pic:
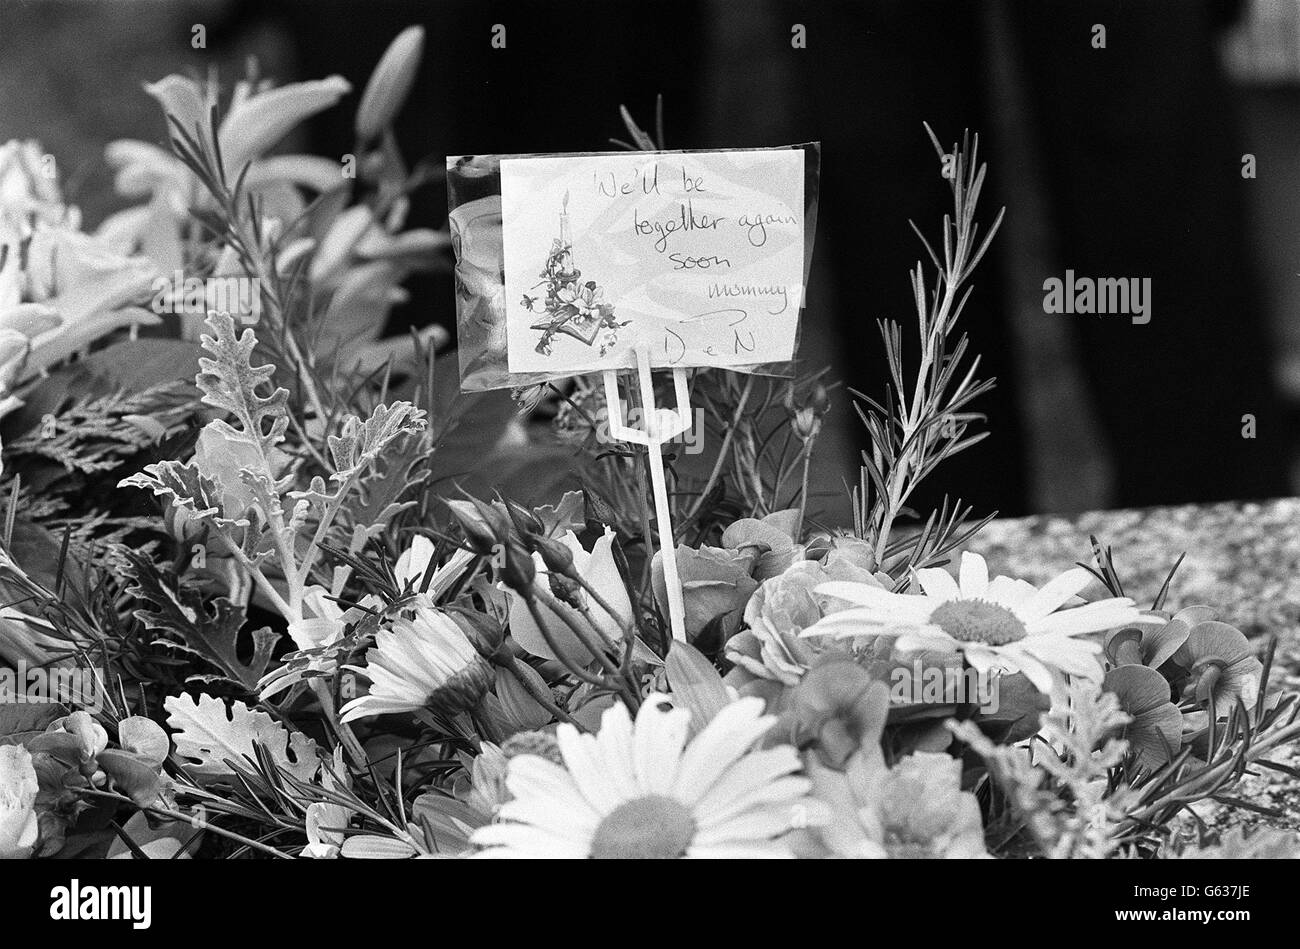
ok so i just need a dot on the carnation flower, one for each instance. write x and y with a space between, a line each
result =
1000 624
914 810
640 791
424 661
18 789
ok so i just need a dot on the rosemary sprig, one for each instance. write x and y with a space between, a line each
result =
912 434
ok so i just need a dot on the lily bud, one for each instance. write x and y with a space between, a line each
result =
526 522
495 519
478 535
390 83
518 572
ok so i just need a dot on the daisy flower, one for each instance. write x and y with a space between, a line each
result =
423 661
640 791
1002 624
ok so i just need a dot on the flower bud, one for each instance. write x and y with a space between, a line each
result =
390 83
478 535
526 522
556 556
518 572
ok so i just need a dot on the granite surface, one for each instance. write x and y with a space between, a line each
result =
1243 558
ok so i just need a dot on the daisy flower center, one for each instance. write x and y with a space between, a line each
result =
653 827
978 621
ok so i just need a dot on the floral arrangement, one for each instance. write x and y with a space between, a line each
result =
273 626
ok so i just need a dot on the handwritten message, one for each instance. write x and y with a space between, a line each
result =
698 255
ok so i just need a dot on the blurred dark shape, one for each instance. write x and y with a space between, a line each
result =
1135 146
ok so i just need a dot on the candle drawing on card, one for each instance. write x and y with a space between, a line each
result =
566 304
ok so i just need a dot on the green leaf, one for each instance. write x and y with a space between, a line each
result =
186 487
695 683
208 734
214 635
229 381
361 443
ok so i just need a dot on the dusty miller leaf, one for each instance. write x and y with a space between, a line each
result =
362 442
208 734
229 381
185 486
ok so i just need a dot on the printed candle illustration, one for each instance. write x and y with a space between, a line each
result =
571 306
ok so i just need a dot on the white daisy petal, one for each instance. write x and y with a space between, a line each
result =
1074 656
1009 592
1053 594
1090 618
926 637
549 815
725 739
532 776
863 594
733 850
974 576
1035 672
530 841
755 824
781 790
586 766
657 744
615 744
938 584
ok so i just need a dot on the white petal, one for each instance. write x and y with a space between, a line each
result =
553 816
1008 592
527 841
615 742
1090 618
768 850
659 737
863 594
1075 656
974 576
1035 672
1055 593
413 563
746 781
857 621
938 584
583 759
724 740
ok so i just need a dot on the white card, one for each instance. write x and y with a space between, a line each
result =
698 256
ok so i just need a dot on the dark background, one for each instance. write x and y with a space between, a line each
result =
1117 162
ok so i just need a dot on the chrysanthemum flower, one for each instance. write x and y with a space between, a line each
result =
423 661
639 791
1000 624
